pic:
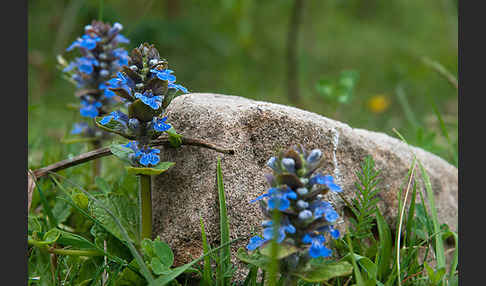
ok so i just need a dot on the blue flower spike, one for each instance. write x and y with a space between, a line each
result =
306 219
100 58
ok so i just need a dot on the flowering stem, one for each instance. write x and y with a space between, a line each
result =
145 196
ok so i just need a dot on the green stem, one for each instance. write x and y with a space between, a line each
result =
72 252
100 15
145 195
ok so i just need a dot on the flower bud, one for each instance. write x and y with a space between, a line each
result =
305 214
153 62
104 73
314 156
272 163
289 164
302 191
302 204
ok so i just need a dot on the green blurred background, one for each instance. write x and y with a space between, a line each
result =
240 48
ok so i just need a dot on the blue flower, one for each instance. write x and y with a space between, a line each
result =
89 109
330 228
278 197
155 102
281 198
106 92
317 248
122 81
85 64
122 39
86 41
178 87
116 115
79 127
323 208
284 228
70 66
164 75
132 145
148 156
160 125
122 56
325 180
255 242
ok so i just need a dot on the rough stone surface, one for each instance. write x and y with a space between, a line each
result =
256 130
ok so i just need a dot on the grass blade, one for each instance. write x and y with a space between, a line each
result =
410 219
51 218
402 211
207 263
439 244
384 254
357 272
225 262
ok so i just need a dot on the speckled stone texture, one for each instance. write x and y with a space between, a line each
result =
256 130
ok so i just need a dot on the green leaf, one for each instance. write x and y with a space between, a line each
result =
50 237
115 126
121 152
283 250
370 267
255 258
384 255
175 272
61 210
33 224
103 185
174 139
159 169
164 253
224 262
124 209
129 278
158 267
319 272
142 111
81 200
148 248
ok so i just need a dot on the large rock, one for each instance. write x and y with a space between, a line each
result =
256 130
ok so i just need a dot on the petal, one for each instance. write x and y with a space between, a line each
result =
255 242
259 198
331 215
106 119
307 238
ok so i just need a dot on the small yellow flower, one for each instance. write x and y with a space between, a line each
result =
378 103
